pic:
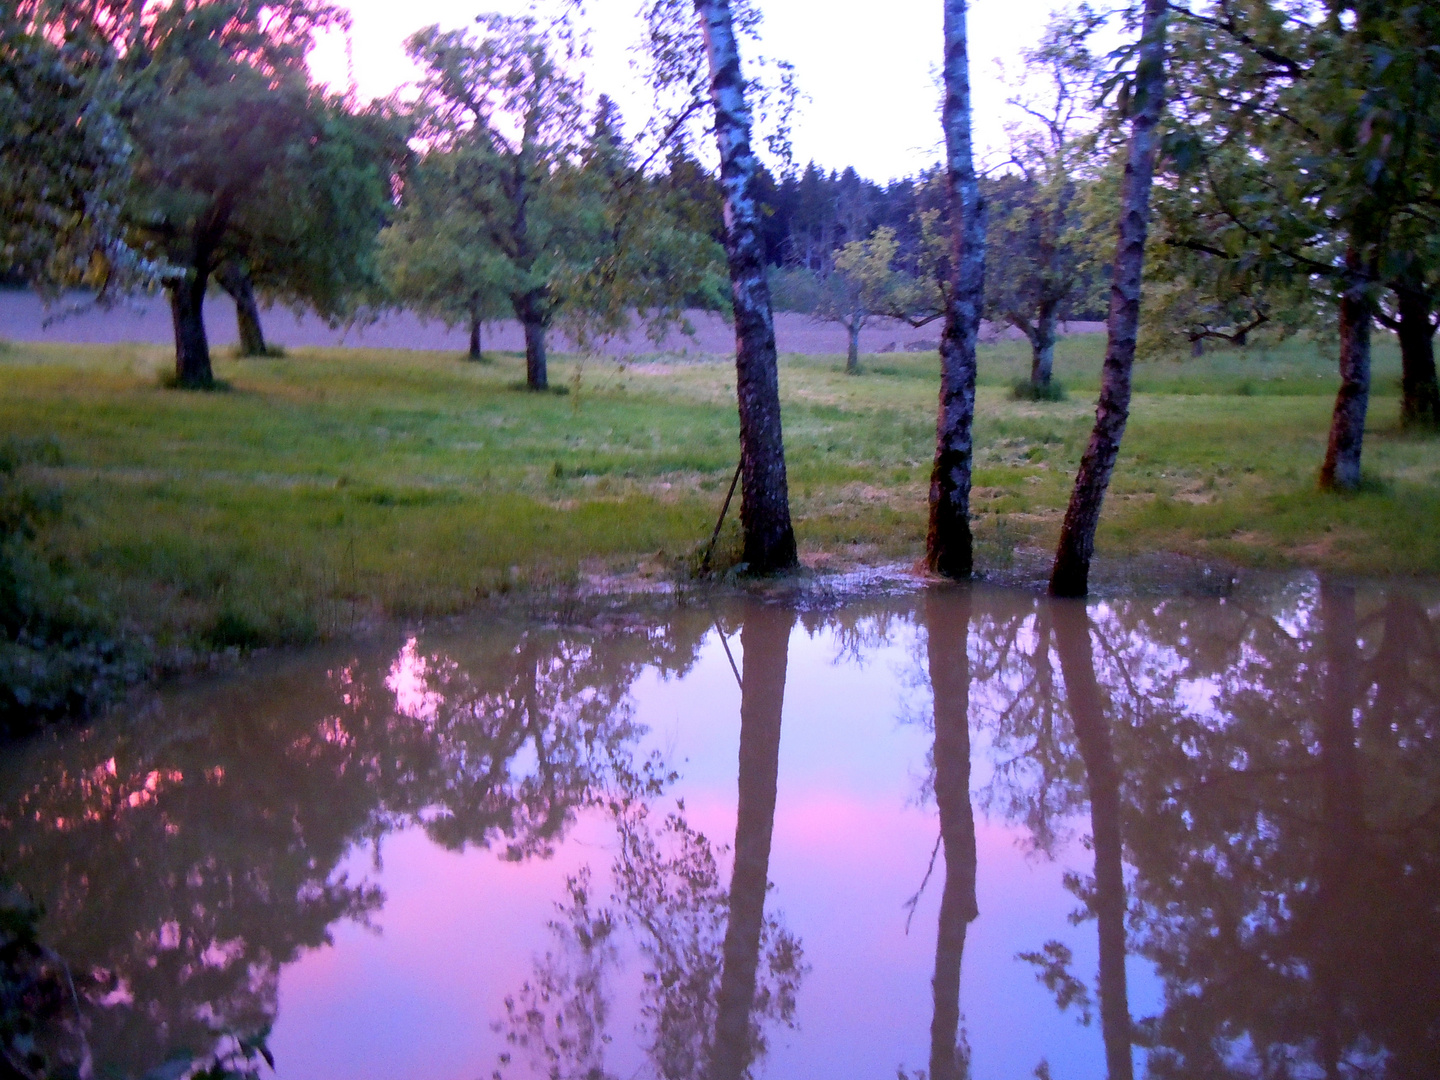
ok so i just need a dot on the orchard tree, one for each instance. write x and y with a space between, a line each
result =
64 155
1311 141
239 159
1038 250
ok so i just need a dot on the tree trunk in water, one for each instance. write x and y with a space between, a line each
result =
852 358
1070 575
536 376
235 281
192 350
1420 394
1042 349
949 546
765 638
764 490
1092 733
947 623
1341 471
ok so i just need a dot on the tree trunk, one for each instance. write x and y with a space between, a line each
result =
765 638
852 358
1092 733
1070 575
192 350
948 543
1042 348
1197 347
528 309
475 331
1420 394
947 623
764 490
1341 471
235 281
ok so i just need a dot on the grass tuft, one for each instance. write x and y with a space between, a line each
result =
1025 390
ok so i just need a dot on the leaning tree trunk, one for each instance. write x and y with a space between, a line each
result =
948 544
1420 394
1070 575
235 281
1341 470
947 625
192 350
764 490
852 358
765 638
1102 776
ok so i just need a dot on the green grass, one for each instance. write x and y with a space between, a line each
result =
328 487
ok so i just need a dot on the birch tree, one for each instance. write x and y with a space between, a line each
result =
949 546
695 69
1070 574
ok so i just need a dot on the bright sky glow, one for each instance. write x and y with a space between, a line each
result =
868 69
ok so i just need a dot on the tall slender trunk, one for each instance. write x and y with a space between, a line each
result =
764 490
947 623
1042 346
192 350
235 281
852 358
1341 471
765 638
1420 393
1070 575
1102 776
475 328
949 546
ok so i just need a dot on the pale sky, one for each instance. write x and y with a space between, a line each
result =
867 68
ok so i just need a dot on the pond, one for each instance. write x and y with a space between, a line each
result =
963 832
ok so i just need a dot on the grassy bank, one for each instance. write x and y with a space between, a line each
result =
331 486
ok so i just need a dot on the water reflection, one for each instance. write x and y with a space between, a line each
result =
1244 794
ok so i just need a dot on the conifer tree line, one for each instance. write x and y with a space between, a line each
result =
1236 171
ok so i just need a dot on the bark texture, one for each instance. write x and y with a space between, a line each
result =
1341 471
949 546
1419 392
235 281
947 622
852 358
764 491
192 349
765 638
1102 777
1042 347
1070 575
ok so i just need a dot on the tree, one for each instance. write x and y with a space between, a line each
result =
239 159
1070 574
64 155
1310 140
1036 245
948 544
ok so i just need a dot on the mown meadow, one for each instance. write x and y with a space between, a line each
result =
329 488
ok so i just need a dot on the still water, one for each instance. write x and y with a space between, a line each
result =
970 832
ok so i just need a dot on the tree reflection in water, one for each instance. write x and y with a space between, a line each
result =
183 858
1258 778
719 972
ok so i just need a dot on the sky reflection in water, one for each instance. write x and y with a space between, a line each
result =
375 851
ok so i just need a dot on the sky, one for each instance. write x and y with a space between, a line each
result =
867 68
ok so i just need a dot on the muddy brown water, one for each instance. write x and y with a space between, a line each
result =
1209 826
